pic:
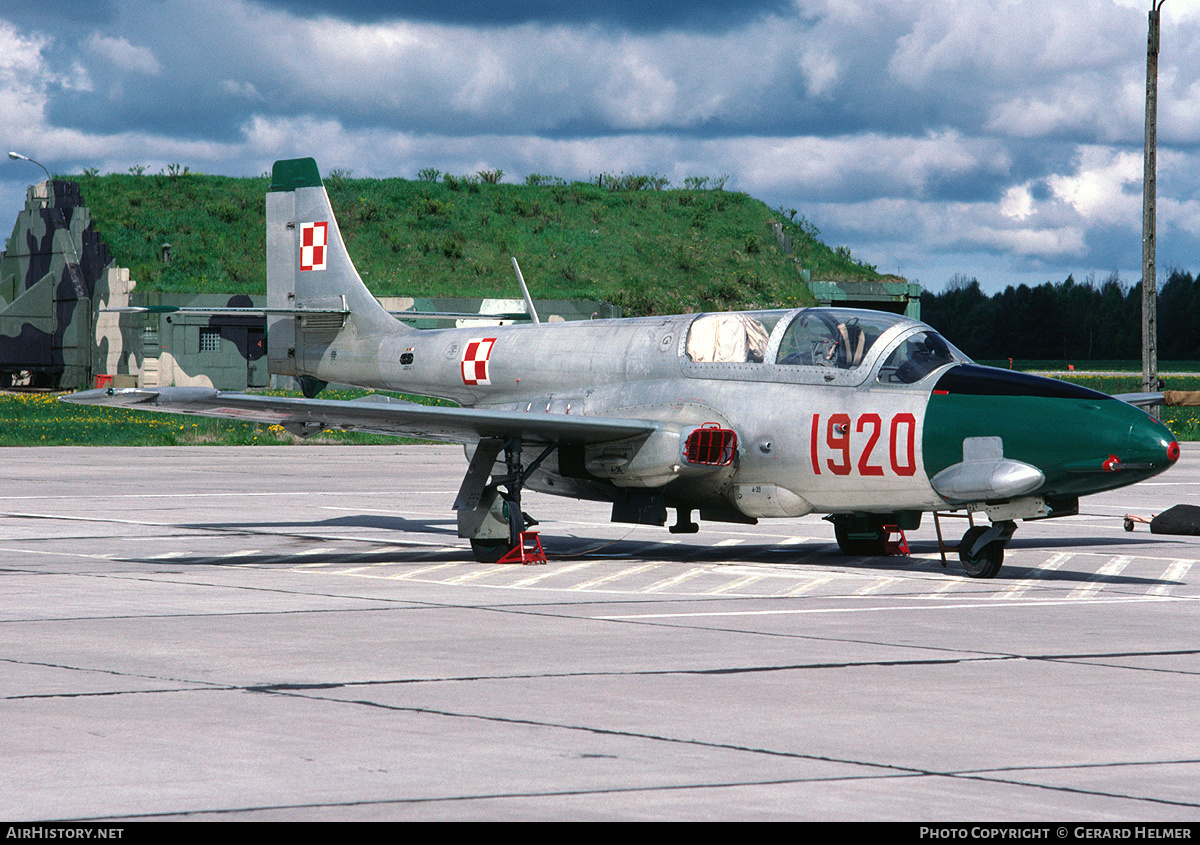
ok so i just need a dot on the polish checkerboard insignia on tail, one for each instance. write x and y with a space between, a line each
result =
314 237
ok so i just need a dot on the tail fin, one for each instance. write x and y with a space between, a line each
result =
308 268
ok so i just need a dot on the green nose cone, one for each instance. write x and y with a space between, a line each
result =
1082 441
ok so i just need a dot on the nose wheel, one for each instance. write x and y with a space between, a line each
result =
981 550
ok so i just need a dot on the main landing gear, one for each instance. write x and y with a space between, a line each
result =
981 550
868 534
860 540
489 507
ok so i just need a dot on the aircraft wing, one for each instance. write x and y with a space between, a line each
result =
374 415
1142 400
1173 398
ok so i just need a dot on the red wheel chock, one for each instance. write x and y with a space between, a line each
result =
528 551
895 547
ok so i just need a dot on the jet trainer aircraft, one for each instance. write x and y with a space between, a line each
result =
868 417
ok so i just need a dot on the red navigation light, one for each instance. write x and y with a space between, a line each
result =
1173 451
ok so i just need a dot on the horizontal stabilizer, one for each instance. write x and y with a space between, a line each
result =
1141 400
179 309
239 312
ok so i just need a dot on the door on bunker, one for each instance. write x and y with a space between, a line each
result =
256 358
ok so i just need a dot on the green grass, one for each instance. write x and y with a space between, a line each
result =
649 251
39 419
1097 366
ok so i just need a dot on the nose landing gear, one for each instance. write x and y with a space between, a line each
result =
981 550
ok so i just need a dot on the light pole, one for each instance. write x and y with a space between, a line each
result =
1149 281
19 157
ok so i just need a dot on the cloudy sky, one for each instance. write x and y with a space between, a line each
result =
1000 139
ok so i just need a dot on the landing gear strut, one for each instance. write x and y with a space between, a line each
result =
489 512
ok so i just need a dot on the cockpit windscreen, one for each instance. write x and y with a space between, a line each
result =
830 337
917 356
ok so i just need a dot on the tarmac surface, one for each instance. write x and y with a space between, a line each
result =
297 633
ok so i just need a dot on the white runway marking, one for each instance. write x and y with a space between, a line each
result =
1019 589
1096 582
674 581
924 608
1177 571
614 576
551 572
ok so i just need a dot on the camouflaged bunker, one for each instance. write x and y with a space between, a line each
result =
52 269
57 276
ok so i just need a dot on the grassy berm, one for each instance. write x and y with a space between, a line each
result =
628 240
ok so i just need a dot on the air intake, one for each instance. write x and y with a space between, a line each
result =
711 445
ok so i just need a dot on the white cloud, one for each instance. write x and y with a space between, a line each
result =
1108 107
884 165
243 89
1182 11
822 70
1181 215
123 54
898 125
23 83
1012 40
1106 188
1017 202
953 227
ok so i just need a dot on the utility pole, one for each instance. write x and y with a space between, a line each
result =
1149 281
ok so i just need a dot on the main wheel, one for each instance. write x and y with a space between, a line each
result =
489 551
862 544
986 562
